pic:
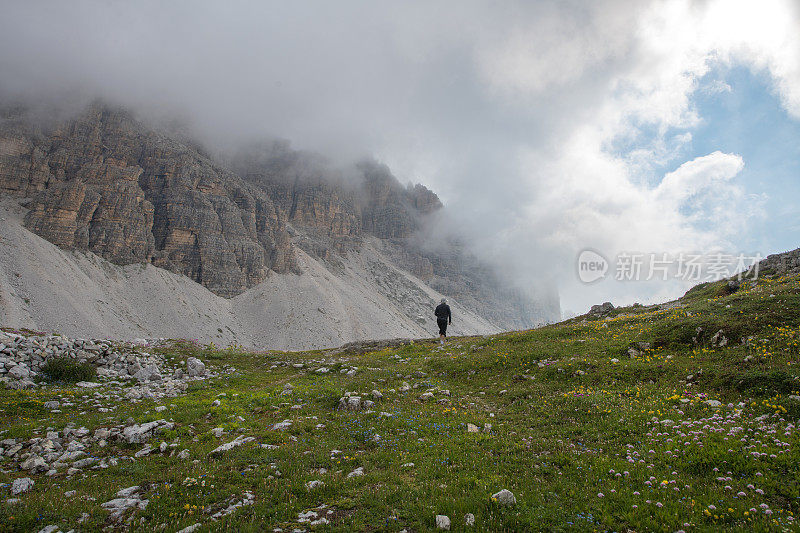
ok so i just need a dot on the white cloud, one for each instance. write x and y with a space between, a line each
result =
544 125
585 192
695 177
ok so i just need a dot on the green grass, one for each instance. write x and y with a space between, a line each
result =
565 421
67 370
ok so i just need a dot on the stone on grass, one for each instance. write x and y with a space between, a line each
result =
195 367
469 519
504 497
442 522
128 498
286 424
307 517
139 433
313 484
118 506
357 472
147 450
21 485
472 428
238 441
127 492
350 403
34 464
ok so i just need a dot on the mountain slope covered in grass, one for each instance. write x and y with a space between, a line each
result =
674 417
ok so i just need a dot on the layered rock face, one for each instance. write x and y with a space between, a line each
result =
340 204
106 184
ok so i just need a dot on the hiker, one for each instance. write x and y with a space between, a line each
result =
443 318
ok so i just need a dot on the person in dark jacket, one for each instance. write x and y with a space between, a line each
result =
443 317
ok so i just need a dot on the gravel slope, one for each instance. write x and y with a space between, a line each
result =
81 295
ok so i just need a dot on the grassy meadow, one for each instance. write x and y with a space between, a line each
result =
634 421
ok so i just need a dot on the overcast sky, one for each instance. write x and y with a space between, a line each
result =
546 127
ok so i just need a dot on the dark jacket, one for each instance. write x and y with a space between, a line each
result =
442 312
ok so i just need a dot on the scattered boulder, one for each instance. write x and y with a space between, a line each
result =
442 522
601 309
286 424
35 464
238 441
126 499
148 373
504 497
358 472
195 367
349 402
139 433
719 339
21 485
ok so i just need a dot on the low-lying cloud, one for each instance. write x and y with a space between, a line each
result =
514 112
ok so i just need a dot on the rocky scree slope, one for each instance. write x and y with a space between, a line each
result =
45 288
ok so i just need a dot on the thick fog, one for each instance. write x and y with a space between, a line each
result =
545 127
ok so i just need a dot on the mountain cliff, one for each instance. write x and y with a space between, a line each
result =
103 182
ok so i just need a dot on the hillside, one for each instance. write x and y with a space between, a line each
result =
682 416
43 287
104 183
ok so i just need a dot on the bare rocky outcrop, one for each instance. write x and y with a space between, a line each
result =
786 263
105 183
